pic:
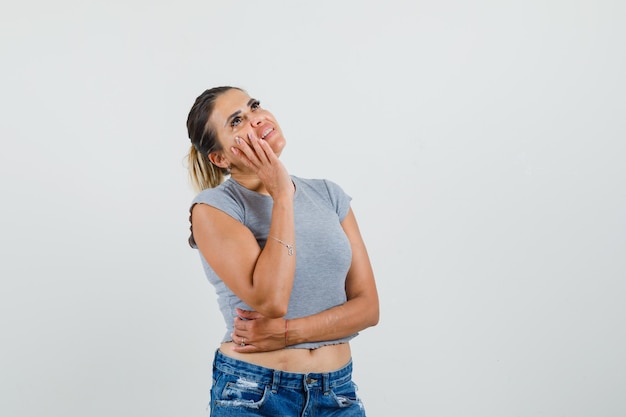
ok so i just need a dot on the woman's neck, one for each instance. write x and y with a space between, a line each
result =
250 181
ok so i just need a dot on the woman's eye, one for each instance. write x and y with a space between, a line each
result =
255 105
236 120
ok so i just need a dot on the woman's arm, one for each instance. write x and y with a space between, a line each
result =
360 311
261 278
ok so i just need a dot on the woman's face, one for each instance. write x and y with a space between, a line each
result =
235 114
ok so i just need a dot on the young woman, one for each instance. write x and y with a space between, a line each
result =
291 271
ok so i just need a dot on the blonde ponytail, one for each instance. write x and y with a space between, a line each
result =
202 173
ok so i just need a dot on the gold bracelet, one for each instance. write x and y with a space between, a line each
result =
289 246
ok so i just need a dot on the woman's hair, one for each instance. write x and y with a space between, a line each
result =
202 173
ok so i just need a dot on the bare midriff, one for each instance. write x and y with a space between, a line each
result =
323 359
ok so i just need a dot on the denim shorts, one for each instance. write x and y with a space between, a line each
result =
243 389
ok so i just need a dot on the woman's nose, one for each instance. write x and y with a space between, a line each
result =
255 121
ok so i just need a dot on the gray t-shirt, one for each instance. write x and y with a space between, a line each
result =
323 253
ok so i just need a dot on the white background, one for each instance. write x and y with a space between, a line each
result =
482 143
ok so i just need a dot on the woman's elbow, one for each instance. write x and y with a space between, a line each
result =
373 316
369 312
274 313
273 309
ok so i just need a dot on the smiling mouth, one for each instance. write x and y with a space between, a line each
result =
267 132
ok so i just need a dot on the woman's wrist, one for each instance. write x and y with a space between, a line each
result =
283 197
293 334
285 192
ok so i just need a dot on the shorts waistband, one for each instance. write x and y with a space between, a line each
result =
276 378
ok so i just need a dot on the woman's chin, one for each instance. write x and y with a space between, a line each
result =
278 145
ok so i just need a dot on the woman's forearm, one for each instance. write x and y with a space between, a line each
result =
272 279
335 323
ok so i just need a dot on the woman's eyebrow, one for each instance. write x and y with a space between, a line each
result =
252 100
231 116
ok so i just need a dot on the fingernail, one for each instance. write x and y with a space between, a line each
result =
237 140
234 150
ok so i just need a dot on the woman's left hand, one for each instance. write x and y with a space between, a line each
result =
259 333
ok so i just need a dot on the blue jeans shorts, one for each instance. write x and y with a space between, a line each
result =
242 389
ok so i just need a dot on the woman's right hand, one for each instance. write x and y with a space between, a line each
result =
257 155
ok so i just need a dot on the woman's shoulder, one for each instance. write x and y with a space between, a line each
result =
322 184
225 197
223 191
327 191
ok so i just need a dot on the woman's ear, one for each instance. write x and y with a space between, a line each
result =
217 158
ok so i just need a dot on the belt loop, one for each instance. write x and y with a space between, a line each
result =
326 383
275 381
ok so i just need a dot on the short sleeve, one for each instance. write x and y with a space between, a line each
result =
221 200
339 199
